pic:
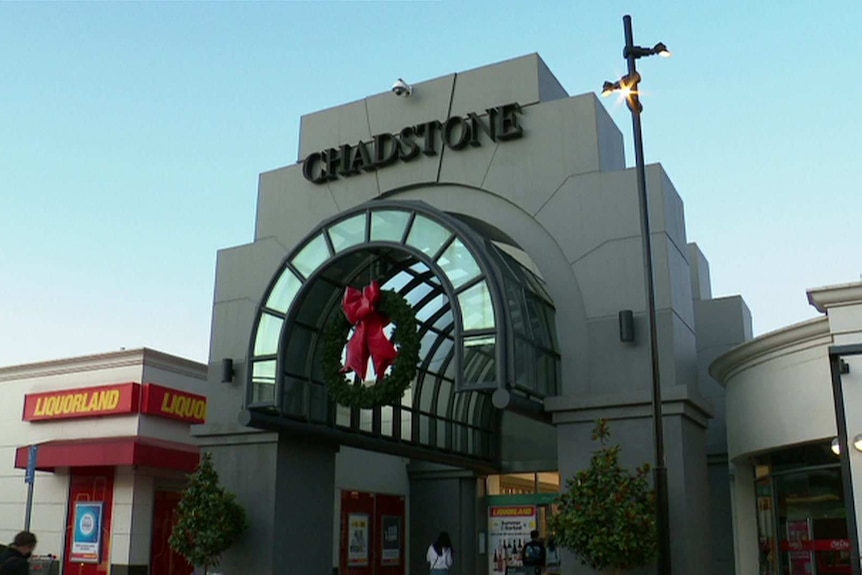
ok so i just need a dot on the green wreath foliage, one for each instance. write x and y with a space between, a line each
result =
388 389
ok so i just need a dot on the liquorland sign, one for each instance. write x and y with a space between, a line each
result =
174 404
116 399
456 133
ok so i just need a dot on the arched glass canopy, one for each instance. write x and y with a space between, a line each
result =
486 322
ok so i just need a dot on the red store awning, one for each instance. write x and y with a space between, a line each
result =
111 452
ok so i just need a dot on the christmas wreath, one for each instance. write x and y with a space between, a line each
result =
370 311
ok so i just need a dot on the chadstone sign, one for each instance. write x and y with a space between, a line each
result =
385 149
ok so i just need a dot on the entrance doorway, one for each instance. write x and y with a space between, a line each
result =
88 527
802 526
518 504
372 534
163 560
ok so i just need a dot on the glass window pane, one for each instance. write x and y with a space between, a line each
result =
268 332
407 398
541 329
263 380
264 393
297 346
366 420
312 255
458 264
397 282
348 233
477 312
480 361
388 226
525 364
406 425
284 291
319 404
427 394
342 415
433 306
443 398
544 372
424 429
516 307
417 293
441 355
315 300
442 426
473 411
293 400
386 415
550 322
427 236
445 321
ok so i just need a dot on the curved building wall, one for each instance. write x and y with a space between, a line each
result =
778 390
788 497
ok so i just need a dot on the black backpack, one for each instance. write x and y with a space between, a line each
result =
534 553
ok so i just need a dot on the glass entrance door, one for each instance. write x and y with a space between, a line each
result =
811 523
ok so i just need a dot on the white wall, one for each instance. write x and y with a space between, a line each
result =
779 393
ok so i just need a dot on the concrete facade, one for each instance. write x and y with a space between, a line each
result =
563 195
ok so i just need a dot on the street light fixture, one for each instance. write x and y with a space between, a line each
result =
628 85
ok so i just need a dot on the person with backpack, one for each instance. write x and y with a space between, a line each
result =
13 561
533 553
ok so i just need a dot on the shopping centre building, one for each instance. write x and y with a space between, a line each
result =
501 209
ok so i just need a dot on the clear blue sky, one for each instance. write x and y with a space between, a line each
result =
132 136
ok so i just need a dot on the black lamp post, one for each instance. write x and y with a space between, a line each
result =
629 86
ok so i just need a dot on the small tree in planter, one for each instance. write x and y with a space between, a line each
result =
209 518
607 514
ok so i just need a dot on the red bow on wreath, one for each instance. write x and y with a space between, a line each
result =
360 308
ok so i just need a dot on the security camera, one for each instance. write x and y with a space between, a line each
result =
402 88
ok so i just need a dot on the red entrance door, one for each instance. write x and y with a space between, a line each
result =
95 485
372 534
163 560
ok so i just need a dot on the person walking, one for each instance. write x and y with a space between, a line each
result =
13 561
534 553
439 554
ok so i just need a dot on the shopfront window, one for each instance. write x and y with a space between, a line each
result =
800 513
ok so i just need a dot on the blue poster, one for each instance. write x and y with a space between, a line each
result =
87 533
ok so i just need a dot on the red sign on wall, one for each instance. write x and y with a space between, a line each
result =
174 404
120 398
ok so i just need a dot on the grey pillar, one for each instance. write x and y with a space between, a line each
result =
687 478
304 506
444 499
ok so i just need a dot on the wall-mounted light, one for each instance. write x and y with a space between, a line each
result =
627 325
857 444
227 370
